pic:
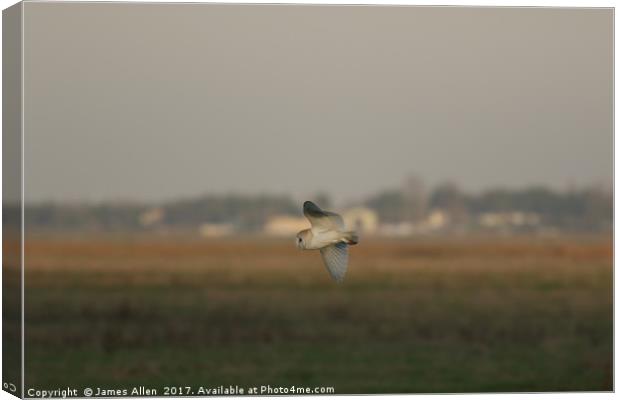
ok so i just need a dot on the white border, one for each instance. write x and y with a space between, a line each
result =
475 3
23 192
434 3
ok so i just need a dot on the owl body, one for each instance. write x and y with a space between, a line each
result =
311 239
328 235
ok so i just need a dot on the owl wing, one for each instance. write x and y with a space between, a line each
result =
336 258
322 220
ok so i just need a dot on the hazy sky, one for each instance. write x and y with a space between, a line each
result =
157 101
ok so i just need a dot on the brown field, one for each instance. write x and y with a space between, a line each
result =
423 315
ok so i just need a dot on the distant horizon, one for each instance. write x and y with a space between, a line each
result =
335 201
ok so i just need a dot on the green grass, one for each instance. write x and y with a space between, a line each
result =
492 318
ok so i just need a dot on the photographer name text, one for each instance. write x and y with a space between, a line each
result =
142 391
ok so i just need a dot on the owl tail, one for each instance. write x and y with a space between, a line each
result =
351 238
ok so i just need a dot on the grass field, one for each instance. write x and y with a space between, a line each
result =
485 314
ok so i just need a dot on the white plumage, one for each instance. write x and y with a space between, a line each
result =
327 234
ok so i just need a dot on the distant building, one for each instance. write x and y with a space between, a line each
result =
284 225
437 219
152 216
510 219
434 221
216 230
396 229
361 219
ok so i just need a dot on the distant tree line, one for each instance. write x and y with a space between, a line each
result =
579 209
101 217
246 212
